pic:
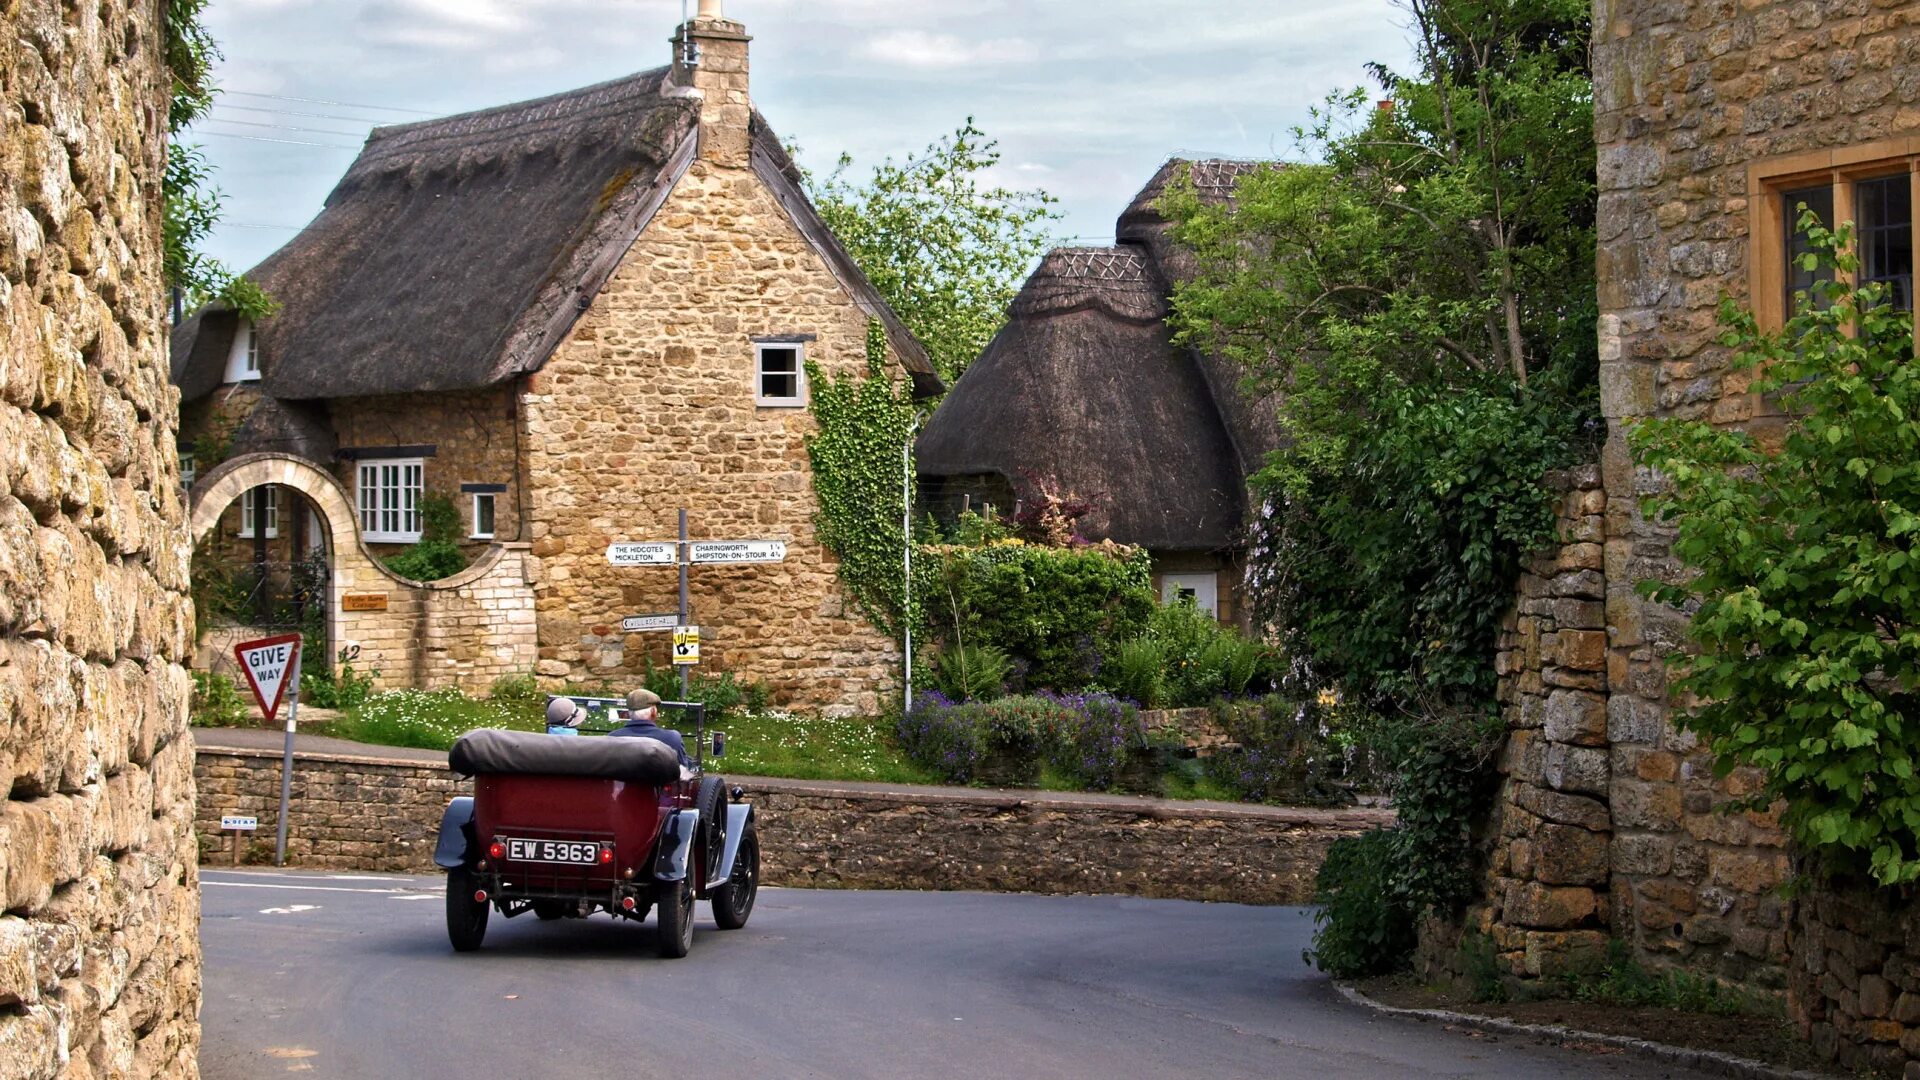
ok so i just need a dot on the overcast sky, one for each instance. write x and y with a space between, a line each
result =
1087 97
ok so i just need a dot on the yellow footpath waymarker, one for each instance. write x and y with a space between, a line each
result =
686 644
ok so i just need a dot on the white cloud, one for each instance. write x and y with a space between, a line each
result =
931 51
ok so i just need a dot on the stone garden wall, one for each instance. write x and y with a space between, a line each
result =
353 813
99 954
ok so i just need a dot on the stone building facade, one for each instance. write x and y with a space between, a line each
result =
1714 121
99 955
646 288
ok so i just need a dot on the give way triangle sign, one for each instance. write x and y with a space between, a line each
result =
270 664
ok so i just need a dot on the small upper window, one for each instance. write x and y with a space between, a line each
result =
779 374
256 507
483 516
188 472
243 359
1202 590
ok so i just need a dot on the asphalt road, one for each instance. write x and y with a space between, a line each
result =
350 976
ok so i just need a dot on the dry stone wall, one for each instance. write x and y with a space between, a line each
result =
99 957
352 813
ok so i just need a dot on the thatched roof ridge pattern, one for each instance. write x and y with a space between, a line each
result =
1084 384
1212 178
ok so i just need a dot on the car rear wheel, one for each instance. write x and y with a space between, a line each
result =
673 936
733 902
466 917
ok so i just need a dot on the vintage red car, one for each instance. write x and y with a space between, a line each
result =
564 826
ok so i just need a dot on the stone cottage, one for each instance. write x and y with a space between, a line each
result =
575 316
1084 388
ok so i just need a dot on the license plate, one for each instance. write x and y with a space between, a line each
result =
574 852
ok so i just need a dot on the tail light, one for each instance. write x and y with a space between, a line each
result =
497 850
626 903
479 896
606 855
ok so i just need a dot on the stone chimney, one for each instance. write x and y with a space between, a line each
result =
717 67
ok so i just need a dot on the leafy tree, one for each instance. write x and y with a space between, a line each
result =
192 204
1422 296
946 249
1805 591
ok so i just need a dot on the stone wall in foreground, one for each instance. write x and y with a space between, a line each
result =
99 954
352 813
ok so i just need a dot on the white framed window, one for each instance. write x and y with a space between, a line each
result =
243 358
188 471
1201 588
257 505
389 492
316 531
779 373
482 515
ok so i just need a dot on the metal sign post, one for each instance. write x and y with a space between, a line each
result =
272 668
683 553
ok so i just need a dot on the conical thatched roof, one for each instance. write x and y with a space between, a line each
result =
1085 386
457 253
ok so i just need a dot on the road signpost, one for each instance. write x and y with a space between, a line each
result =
683 554
239 825
272 669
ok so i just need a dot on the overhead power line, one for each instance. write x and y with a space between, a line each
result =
296 112
280 127
266 138
323 101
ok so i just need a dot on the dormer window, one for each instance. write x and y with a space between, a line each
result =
779 374
243 359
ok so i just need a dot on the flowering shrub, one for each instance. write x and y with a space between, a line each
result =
1295 751
1087 737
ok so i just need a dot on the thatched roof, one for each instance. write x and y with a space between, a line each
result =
300 428
1084 386
457 253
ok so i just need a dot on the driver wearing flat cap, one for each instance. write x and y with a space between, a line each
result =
643 708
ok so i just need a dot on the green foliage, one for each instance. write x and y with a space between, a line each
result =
1295 751
1051 609
858 475
1087 738
947 253
1365 923
1136 669
1804 588
191 203
344 689
437 554
1622 980
722 693
426 719
518 692
760 743
216 701
965 672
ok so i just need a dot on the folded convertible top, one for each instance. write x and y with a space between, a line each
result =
494 751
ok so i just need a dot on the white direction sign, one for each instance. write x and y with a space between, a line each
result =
269 665
238 822
647 554
634 624
737 551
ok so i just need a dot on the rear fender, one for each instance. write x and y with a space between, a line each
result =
738 814
676 840
457 843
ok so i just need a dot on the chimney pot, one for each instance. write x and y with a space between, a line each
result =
711 9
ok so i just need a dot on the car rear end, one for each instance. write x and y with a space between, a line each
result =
580 842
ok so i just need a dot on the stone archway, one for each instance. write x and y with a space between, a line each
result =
351 565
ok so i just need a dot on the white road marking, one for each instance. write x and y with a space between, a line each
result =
417 896
292 909
306 888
